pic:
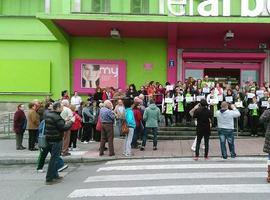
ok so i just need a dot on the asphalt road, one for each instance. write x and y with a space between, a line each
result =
170 179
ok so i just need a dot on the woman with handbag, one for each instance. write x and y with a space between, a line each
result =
131 124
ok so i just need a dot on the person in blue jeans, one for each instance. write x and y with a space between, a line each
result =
225 119
55 126
151 117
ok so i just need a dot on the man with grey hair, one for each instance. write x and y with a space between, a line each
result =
67 115
55 126
107 121
225 119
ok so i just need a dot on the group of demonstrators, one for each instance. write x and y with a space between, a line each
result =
133 114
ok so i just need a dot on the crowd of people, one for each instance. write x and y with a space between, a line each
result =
110 113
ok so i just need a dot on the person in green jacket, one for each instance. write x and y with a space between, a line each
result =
151 117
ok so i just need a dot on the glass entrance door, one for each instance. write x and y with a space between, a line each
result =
228 76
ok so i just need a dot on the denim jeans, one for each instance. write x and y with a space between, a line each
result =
128 140
226 135
55 149
269 156
145 135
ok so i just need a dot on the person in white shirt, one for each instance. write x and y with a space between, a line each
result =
67 115
225 119
76 100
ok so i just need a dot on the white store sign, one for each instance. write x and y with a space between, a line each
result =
211 8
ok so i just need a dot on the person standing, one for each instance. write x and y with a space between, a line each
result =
119 111
203 130
265 118
107 132
225 119
130 120
151 117
55 126
32 126
74 129
67 115
19 126
76 100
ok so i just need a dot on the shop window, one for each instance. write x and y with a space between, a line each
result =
249 75
194 73
100 6
139 6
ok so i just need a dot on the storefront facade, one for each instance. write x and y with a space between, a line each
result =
79 44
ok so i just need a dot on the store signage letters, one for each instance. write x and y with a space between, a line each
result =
211 8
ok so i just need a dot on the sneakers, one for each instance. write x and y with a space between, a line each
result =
154 148
196 158
63 168
76 149
40 171
85 142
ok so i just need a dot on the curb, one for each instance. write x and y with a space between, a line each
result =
80 160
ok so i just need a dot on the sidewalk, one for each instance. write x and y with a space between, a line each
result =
166 149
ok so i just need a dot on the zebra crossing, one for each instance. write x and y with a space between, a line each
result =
148 178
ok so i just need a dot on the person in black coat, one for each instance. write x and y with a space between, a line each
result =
204 116
55 126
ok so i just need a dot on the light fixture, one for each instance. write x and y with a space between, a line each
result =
115 33
229 36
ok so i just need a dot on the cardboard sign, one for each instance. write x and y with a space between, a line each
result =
199 98
213 101
239 104
229 99
250 95
259 93
206 90
169 87
189 99
252 106
265 104
168 100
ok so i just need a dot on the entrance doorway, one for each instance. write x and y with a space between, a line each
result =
228 76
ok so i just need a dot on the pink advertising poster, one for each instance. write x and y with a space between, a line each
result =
91 74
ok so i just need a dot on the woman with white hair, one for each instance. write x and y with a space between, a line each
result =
107 132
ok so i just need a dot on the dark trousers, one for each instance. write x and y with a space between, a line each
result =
179 117
52 172
254 121
94 132
134 142
168 116
42 157
106 135
73 138
32 139
145 135
87 132
187 109
206 143
19 140
241 120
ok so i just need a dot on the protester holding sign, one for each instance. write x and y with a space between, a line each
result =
254 116
168 107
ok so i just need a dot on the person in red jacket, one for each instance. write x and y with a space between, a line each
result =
138 119
74 129
19 126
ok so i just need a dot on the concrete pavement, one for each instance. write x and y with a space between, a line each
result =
166 149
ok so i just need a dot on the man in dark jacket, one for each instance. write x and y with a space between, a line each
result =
55 126
203 116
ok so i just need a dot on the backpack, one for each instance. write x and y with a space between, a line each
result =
42 142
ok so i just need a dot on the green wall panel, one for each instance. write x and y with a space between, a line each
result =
136 52
57 53
25 76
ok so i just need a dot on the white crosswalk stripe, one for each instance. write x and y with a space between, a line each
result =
139 177
181 166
